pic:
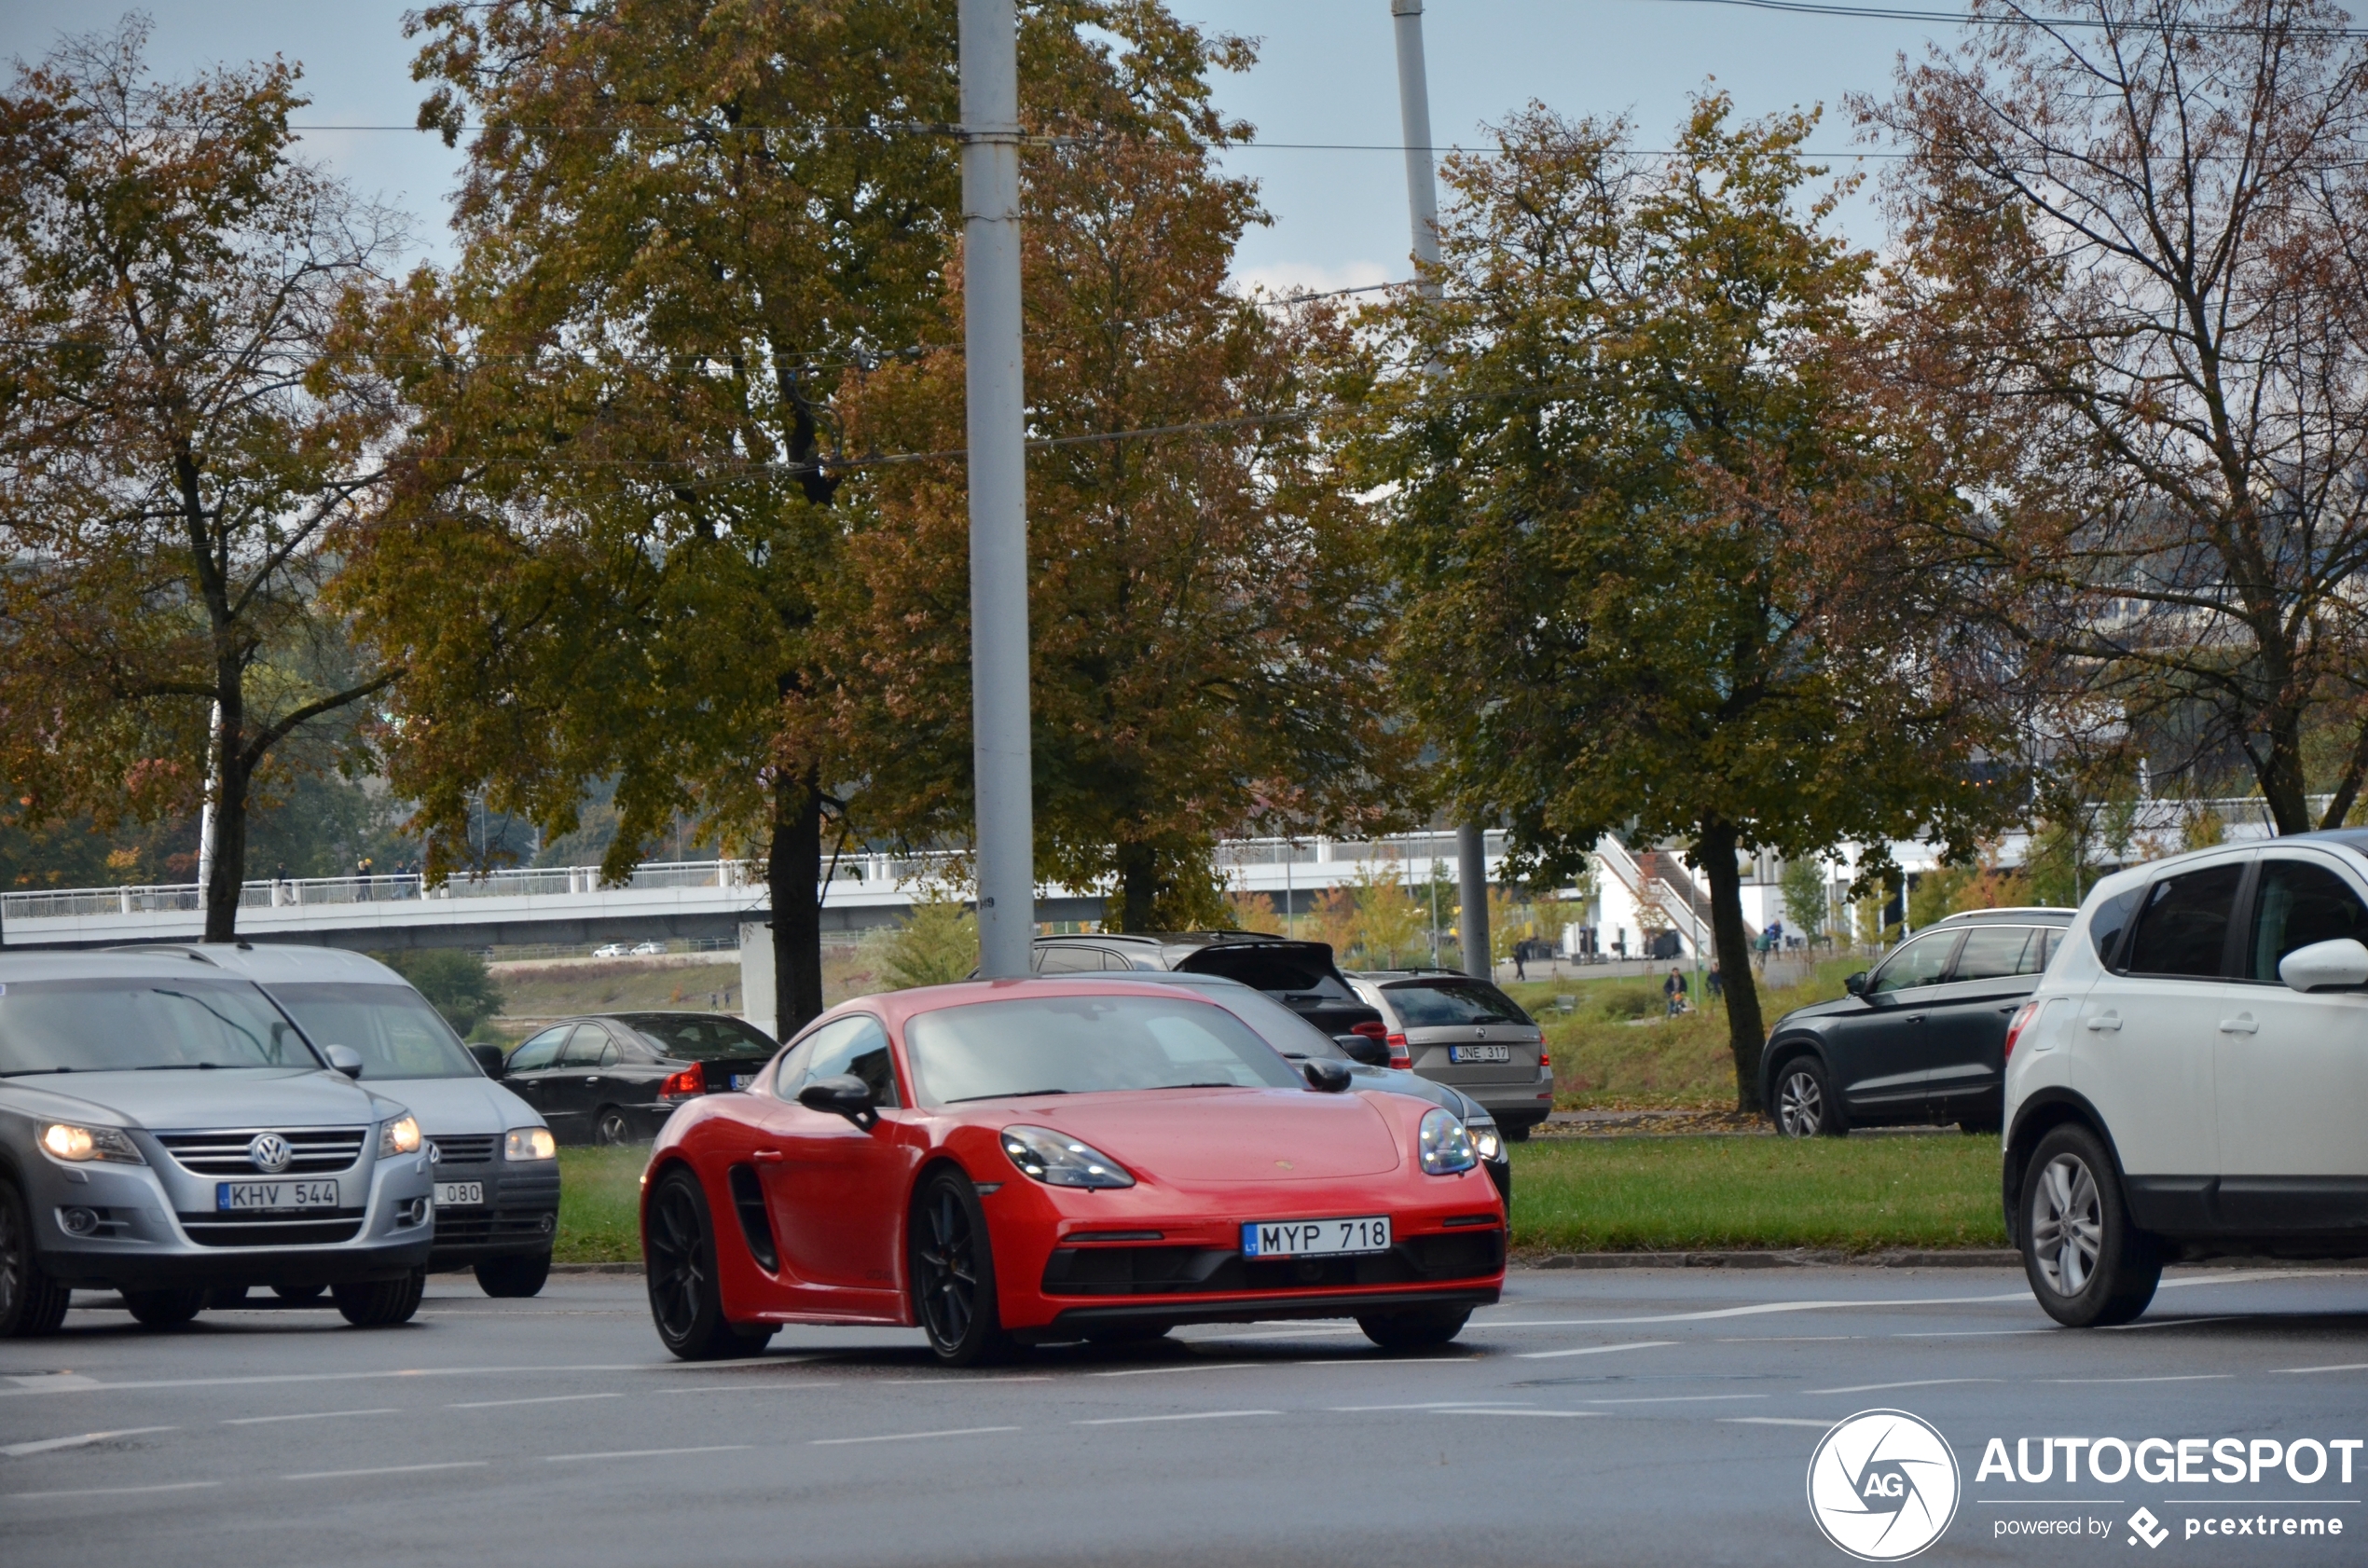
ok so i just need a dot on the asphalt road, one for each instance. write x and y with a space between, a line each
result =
1617 1417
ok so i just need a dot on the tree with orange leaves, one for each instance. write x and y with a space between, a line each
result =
1205 613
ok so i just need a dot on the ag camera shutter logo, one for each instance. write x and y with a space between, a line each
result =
1883 1485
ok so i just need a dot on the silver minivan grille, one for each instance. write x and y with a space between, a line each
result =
312 1150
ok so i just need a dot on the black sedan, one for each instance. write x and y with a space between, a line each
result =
1922 1040
616 1077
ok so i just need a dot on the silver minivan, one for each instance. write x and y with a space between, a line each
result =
167 1130
1459 1030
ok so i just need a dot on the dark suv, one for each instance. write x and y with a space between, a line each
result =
1922 1040
1300 975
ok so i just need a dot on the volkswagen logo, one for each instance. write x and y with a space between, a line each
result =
267 1153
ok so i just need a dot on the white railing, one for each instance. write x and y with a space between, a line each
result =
868 869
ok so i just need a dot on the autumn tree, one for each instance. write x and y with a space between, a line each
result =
613 549
184 431
1205 614
2133 259
1652 537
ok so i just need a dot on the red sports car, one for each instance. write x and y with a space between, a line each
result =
1016 1162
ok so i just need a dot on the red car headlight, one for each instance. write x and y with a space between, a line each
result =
1058 1160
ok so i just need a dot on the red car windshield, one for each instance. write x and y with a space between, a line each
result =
1084 1045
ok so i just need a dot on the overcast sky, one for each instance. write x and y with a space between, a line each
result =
1326 74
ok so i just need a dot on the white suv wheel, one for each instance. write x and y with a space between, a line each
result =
2066 1224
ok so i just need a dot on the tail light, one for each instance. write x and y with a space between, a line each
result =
2023 1015
1545 1057
689 1083
1399 1056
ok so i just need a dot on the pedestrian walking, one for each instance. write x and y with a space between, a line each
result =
1714 983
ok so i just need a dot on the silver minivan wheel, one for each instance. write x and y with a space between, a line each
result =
2066 1224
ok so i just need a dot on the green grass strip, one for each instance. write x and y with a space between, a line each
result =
1859 1195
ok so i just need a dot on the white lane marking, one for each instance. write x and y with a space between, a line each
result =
1386 1360
387 1470
1592 1350
1481 1410
1918 1383
47 1444
1191 1415
83 1385
42 1382
1678 1399
1806 1338
1771 1421
911 1436
1433 1405
753 1388
2180 1376
540 1399
1156 1371
958 1380
655 1453
2248 1276
1273 1334
1970 1333
109 1491
2344 1367
308 1415
2173 1322
1762 1308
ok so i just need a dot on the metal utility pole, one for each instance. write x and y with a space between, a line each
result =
1006 845
1422 209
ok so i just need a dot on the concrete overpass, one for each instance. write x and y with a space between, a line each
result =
692 900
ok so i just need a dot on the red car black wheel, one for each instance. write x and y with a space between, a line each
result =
684 1300
954 1272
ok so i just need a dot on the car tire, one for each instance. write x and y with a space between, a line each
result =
1803 1104
611 1126
514 1276
2087 1261
31 1303
297 1295
686 1300
951 1262
1422 1328
164 1309
381 1303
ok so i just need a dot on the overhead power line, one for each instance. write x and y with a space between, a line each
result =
2018 18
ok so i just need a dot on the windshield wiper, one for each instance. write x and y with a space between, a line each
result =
184 1066
1006 1094
1220 1083
28 1072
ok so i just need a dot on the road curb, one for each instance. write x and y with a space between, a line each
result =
1802 1257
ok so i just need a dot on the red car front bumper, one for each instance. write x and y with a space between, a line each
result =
1068 1260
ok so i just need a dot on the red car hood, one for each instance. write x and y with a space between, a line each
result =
1224 1134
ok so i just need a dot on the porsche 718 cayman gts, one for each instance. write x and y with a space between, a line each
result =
1020 1161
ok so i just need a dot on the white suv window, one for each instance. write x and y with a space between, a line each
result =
2299 903
2182 929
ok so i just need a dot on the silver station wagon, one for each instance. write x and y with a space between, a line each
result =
167 1130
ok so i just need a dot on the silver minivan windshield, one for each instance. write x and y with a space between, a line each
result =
392 1026
122 1024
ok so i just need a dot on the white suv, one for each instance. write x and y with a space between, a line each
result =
2189 1078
